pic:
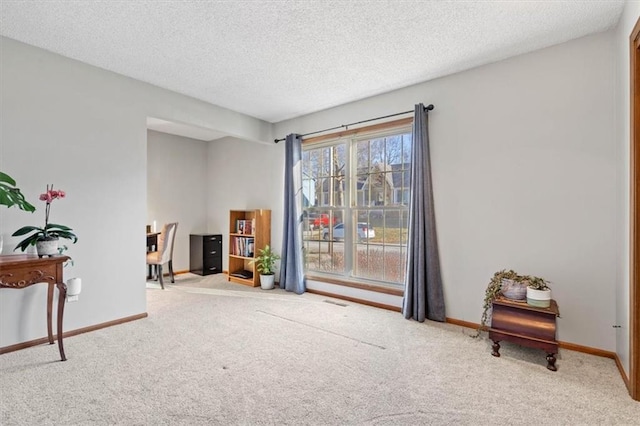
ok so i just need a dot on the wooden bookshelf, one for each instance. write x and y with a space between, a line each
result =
249 231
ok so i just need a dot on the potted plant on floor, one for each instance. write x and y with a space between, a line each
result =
265 264
45 239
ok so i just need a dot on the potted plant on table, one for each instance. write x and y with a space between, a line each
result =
265 264
538 293
45 239
513 286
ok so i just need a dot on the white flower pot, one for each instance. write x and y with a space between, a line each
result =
47 247
267 281
538 298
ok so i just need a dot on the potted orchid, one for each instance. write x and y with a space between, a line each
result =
45 239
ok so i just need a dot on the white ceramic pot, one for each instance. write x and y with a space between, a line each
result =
47 247
538 298
267 281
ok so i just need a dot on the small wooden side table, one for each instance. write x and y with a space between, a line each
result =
19 271
525 325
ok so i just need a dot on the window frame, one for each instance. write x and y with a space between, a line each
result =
350 206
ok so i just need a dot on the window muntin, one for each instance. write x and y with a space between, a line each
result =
358 183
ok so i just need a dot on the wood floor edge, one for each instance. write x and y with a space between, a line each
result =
622 372
356 300
42 340
587 350
462 323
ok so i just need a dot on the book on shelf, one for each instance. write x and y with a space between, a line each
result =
245 226
243 246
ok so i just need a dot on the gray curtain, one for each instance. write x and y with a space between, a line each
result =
291 269
423 296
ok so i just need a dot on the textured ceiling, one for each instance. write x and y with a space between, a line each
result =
276 60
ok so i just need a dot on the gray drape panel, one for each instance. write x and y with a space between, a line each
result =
423 297
291 269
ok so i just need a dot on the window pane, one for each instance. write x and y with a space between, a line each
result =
406 148
377 151
323 249
314 164
362 157
338 181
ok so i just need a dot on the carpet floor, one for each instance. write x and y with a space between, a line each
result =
217 353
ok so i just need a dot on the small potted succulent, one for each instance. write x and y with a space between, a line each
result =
45 239
538 293
265 264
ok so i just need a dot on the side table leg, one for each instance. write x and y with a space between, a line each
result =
49 312
551 362
496 348
62 289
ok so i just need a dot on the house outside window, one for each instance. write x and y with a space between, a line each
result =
356 191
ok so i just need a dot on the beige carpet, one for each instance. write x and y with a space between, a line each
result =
213 352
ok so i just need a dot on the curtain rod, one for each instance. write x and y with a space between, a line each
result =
427 108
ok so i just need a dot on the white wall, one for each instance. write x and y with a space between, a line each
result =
243 176
622 138
84 130
524 170
525 176
176 188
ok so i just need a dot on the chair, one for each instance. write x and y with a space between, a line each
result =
164 253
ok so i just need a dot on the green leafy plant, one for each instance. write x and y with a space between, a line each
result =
494 290
50 231
61 250
265 261
537 283
11 196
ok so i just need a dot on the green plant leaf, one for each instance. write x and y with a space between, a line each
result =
10 195
24 244
6 178
53 225
66 234
25 230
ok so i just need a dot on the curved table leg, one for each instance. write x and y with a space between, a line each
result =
49 313
551 362
496 348
62 289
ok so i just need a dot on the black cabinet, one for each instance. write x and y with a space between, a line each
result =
205 254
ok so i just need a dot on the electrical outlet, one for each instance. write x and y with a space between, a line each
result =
73 298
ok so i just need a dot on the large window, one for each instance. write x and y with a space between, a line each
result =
355 195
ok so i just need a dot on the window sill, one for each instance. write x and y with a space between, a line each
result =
376 288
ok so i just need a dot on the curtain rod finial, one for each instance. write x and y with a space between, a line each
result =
429 107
